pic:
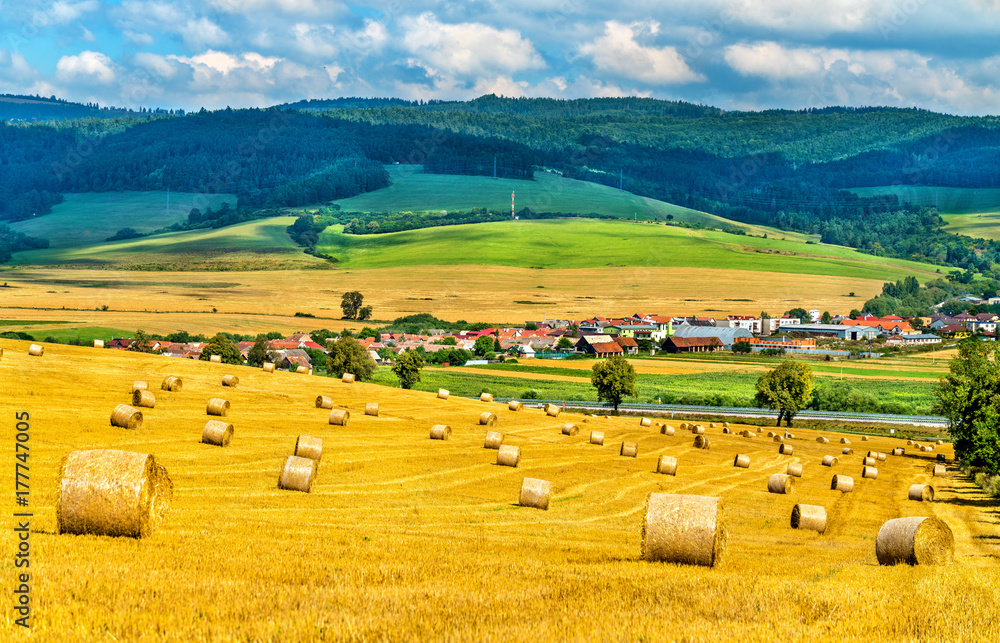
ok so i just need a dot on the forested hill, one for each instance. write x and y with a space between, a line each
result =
16 108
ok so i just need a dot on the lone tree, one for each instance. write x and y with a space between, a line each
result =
352 305
483 346
614 378
799 313
787 387
348 356
407 368
258 353
141 343
969 396
223 347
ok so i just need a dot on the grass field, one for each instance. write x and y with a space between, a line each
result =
404 538
972 212
87 219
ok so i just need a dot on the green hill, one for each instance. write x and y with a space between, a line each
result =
974 212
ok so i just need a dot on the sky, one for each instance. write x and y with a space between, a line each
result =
942 55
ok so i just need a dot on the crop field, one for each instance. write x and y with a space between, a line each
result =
404 537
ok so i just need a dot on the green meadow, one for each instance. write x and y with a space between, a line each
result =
968 211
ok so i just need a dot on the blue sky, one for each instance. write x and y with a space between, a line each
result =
735 54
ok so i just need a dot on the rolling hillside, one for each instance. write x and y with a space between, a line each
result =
974 212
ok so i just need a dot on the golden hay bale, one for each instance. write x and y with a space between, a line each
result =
348 378
508 455
868 462
340 417
847 451
698 429
702 442
809 517
487 419
823 440
215 359
298 474
139 385
645 422
569 429
597 437
230 380
268 367
748 434
535 493
371 408
711 425
172 383
667 465
684 426
486 397
742 461
794 469
939 471
898 451
494 440
217 432
790 436
864 438
143 398
666 429
771 434
725 425
552 410
324 402
909 442
914 541
872 454
629 449
217 406
442 394
927 448
844 441
307 447
869 472
842 483
725 429
105 492
682 529
779 439
441 432
36 351
126 417
514 405
880 457
939 442
921 493
302 370
98 343
786 449
779 483
829 461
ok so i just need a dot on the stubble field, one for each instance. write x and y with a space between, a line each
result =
405 538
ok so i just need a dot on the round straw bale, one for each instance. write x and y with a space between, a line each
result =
347 378
98 343
139 385
880 457
844 441
842 483
725 425
869 472
215 359
794 469
1 351
306 447
790 436
629 449
645 422
143 398
172 383
927 448
725 429
786 449
667 465
597 437
487 419
939 442
230 380
809 517
514 405
105 492
711 425
485 397
771 434
823 440
340 417
921 492
742 461
779 439
749 434
371 408
939 471
552 410
868 462
298 474
442 394
217 406
126 417
324 402
569 429
702 442
779 483
847 451
508 455
36 351
682 529
535 493
302 370
666 429
494 440
698 429
898 451
268 367
441 432
914 541
684 426
909 442
217 432
829 461
864 438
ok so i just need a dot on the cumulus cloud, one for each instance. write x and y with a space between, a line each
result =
63 13
773 61
202 33
87 67
619 52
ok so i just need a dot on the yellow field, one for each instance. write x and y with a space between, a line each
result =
405 538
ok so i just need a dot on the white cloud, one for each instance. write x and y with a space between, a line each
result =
87 67
63 13
618 52
202 33
298 7
773 61
224 63
137 38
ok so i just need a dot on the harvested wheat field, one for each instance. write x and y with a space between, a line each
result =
407 538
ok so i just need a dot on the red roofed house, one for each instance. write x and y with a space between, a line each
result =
692 344
628 344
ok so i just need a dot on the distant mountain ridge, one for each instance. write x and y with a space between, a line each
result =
19 108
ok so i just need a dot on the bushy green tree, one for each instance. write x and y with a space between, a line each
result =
742 348
483 346
257 354
614 379
351 304
348 356
224 347
564 343
787 387
801 313
141 343
407 368
970 398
